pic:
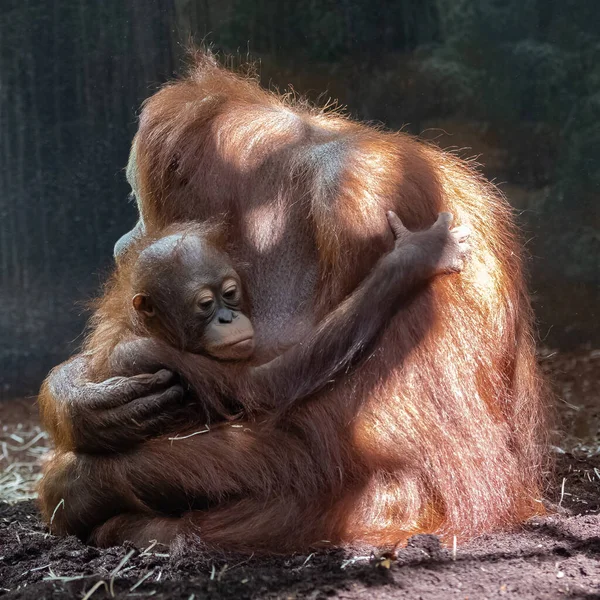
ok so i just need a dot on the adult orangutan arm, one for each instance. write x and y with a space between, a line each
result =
108 416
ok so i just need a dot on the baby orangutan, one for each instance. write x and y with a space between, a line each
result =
177 303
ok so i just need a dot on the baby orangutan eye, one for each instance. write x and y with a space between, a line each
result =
206 303
230 290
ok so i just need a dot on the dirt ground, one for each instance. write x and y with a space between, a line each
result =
557 556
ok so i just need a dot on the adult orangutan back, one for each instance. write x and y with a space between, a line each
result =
442 430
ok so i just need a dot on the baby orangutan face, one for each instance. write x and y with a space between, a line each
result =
188 294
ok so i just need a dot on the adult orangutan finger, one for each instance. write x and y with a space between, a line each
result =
155 425
118 391
142 408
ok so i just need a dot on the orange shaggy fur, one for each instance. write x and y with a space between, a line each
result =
443 430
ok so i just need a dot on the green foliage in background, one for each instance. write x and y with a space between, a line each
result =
330 30
520 63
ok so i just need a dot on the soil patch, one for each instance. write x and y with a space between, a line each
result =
557 556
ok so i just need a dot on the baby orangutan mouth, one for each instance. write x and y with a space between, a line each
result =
240 349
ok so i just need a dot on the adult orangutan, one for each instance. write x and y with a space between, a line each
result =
442 429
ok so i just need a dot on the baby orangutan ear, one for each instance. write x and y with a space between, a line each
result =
143 304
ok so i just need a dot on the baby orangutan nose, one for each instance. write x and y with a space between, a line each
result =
225 315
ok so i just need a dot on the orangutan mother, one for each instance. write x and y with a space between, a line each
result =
441 430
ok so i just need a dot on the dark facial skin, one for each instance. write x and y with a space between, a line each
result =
188 294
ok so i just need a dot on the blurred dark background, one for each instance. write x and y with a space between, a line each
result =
513 82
